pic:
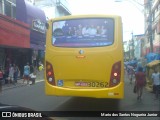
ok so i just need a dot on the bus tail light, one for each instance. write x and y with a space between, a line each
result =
50 73
115 74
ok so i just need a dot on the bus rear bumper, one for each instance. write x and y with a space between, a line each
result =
114 92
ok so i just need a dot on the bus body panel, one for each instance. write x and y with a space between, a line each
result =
93 66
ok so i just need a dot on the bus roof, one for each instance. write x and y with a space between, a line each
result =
85 16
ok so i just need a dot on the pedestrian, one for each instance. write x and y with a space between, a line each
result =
11 74
16 72
156 82
1 78
140 82
40 65
139 64
5 76
33 77
131 74
26 73
31 68
40 68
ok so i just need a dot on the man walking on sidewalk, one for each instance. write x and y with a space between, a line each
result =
156 82
26 73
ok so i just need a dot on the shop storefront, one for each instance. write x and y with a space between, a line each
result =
36 19
22 39
14 41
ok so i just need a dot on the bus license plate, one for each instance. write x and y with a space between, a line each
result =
84 84
92 84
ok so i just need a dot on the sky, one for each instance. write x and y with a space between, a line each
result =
131 13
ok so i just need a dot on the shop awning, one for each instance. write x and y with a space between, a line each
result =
36 19
14 33
153 63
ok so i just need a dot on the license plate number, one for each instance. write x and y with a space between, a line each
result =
92 84
84 84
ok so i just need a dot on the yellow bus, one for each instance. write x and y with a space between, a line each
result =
84 56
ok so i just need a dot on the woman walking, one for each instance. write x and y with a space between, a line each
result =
16 72
11 74
140 82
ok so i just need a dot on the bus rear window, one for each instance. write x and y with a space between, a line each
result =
90 32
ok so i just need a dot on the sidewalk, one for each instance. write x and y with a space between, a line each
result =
40 77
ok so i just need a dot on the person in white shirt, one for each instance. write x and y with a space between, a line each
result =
33 77
93 31
84 31
156 82
11 74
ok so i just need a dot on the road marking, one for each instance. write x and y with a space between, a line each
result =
39 81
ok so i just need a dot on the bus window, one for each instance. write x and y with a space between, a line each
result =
90 32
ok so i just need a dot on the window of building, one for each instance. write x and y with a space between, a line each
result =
153 16
1 7
14 11
153 35
11 1
10 8
7 8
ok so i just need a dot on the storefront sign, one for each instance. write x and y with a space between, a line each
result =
38 26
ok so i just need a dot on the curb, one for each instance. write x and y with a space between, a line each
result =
12 86
17 85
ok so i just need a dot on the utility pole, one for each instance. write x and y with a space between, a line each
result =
132 46
150 26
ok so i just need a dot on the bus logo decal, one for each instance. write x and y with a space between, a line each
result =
81 52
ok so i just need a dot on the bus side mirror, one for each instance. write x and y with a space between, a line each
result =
47 25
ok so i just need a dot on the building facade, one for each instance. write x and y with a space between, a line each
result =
14 38
35 17
53 8
152 26
126 50
156 25
22 28
134 47
138 43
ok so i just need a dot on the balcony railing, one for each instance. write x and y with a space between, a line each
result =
44 3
